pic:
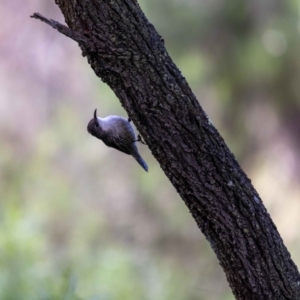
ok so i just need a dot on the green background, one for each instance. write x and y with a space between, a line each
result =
79 220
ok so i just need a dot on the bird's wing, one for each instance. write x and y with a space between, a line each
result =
119 143
122 139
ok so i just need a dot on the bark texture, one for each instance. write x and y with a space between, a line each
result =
127 53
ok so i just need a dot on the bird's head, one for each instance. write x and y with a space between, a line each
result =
94 127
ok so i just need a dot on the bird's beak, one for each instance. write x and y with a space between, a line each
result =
95 117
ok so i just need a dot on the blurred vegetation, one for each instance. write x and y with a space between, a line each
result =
82 221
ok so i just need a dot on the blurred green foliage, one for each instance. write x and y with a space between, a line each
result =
81 221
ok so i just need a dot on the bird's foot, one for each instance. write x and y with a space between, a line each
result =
139 139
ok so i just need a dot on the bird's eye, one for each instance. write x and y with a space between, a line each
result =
96 124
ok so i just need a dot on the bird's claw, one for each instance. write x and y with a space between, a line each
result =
139 139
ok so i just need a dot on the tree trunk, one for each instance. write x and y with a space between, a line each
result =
127 53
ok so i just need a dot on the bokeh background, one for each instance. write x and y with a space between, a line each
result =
81 221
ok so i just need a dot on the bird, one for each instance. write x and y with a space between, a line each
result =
118 133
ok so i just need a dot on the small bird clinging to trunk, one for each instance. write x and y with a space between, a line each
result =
116 132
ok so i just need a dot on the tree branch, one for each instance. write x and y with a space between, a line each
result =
61 28
127 53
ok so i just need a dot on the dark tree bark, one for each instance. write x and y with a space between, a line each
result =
127 53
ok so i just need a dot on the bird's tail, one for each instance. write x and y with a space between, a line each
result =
140 160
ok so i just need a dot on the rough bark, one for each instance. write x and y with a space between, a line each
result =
127 53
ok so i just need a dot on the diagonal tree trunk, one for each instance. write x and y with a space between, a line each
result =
127 53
